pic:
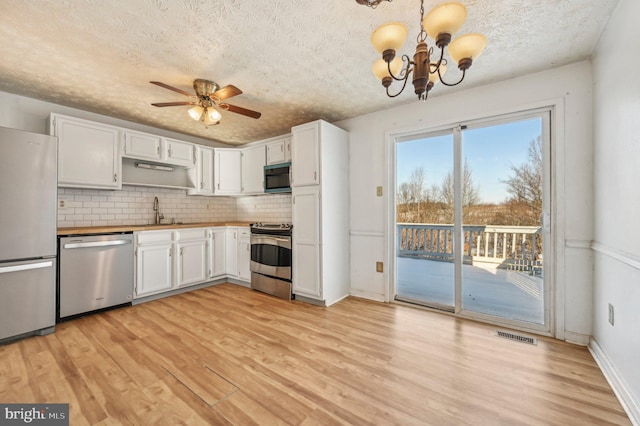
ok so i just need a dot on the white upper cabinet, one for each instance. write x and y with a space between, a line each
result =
276 152
145 146
253 160
227 171
180 153
202 175
305 158
287 149
88 153
279 151
142 146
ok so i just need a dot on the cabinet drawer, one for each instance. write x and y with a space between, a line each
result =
154 237
191 234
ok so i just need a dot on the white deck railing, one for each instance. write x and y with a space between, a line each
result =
512 247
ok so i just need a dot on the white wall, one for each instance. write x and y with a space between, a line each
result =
570 87
617 200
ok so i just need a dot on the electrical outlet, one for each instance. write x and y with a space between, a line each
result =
379 191
379 267
611 314
62 204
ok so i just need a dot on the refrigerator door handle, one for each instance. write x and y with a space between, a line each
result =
96 244
18 268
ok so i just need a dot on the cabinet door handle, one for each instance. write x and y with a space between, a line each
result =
181 248
169 151
115 177
158 149
315 175
170 252
194 154
281 148
201 184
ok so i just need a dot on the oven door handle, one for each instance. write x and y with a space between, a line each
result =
271 240
285 240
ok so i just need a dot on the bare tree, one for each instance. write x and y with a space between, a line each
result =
470 192
525 187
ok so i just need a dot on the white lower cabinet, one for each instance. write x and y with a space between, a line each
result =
231 243
306 242
238 253
171 259
244 254
154 263
217 252
192 262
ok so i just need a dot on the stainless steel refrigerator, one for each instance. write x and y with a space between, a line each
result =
28 201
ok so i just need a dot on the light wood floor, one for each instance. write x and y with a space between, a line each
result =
228 355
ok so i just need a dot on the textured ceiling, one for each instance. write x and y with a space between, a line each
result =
295 61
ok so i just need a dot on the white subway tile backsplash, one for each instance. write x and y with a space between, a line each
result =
133 205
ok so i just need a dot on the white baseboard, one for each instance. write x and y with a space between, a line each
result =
631 407
576 338
367 295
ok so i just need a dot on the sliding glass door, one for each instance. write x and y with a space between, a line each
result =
424 225
470 235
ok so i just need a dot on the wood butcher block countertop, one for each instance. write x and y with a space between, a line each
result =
131 228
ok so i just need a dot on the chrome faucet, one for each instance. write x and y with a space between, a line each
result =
156 208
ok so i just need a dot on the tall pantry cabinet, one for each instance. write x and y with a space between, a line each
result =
320 195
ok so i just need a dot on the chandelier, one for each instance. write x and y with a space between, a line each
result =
371 3
441 22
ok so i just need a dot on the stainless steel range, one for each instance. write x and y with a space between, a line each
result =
271 258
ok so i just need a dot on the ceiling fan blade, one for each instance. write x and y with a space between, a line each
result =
226 92
239 110
166 104
166 86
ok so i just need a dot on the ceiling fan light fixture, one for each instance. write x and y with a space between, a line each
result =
196 112
211 117
213 114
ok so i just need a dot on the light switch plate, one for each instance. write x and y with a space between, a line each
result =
379 267
379 191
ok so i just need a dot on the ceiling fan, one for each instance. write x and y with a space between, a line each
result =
208 95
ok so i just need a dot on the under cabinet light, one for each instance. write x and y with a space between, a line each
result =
154 167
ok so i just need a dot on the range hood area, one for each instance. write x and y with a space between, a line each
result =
145 173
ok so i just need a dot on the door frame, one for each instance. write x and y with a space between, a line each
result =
555 303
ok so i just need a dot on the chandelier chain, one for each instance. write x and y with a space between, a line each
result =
422 36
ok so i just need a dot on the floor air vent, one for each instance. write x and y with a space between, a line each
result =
517 337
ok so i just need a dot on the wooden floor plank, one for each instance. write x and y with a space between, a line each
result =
227 355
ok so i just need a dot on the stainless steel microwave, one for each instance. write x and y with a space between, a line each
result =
277 177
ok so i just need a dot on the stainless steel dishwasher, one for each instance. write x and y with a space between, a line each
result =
95 272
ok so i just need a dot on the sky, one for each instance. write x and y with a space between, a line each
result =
489 151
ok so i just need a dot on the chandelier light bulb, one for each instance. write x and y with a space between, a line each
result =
389 36
467 48
445 19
